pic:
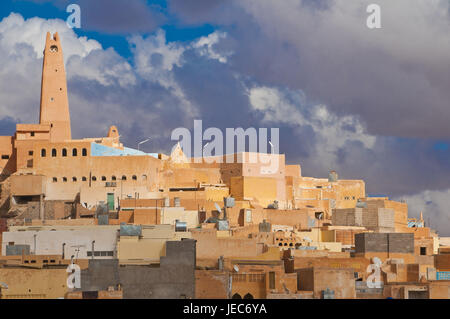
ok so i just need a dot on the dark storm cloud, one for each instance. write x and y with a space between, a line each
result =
115 16
7 126
395 88
198 11
396 78
118 16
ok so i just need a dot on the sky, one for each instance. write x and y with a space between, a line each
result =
372 104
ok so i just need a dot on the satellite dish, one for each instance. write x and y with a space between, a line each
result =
218 207
236 268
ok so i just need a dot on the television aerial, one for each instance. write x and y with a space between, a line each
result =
218 208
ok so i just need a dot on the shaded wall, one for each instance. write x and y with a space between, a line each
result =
173 278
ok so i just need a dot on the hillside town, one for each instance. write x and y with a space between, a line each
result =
93 219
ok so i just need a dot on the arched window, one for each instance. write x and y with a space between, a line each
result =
74 152
54 152
134 178
236 296
64 179
94 178
103 178
84 152
248 296
64 152
124 178
43 152
84 179
74 179
113 178
144 177
55 179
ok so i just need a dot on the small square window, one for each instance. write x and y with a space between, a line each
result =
30 153
32 133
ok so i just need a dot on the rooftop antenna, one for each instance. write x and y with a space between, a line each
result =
142 142
218 208
203 150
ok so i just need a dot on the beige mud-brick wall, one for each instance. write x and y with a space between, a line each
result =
342 281
261 189
439 290
26 137
289 217
294 171
209 246
7 162
244 283
131 248
146 216
28 185
400 211
358 264
169 215
34 283
427 243
189 177
144 168
211 284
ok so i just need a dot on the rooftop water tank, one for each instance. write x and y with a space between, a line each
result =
180 226
333 176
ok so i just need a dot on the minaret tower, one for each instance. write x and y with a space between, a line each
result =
54 108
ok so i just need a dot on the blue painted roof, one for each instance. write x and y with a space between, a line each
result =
415 224
103 150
